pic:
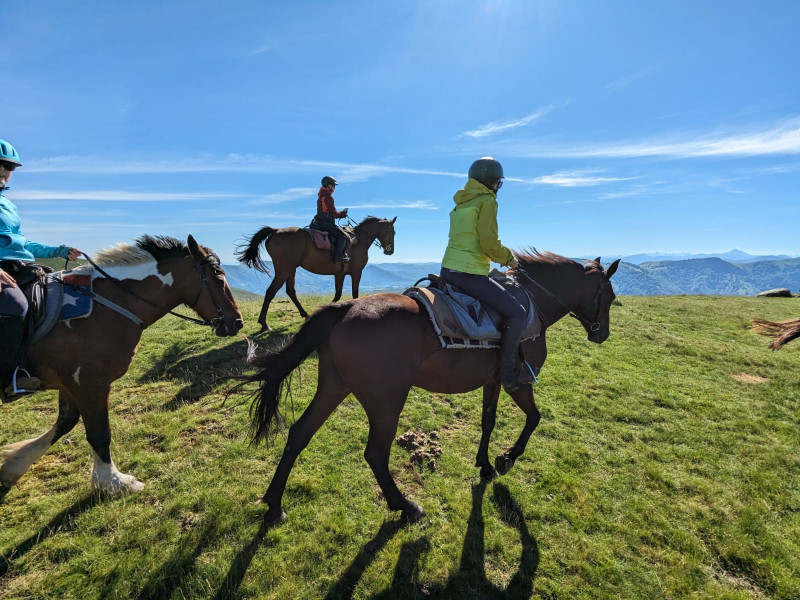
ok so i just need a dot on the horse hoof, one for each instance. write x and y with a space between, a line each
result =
413 512
488 473
274 517
503 464
264 328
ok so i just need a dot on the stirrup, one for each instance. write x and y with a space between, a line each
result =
13 390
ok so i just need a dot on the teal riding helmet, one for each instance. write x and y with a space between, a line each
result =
8 153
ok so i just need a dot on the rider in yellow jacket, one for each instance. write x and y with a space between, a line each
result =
473 245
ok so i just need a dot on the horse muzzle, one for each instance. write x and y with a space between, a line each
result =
226 327
388 250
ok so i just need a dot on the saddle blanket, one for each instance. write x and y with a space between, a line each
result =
65 295
461 322
322 240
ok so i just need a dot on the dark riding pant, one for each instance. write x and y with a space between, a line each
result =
13 308
324 222
491 293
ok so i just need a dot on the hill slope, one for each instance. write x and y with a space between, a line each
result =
665 466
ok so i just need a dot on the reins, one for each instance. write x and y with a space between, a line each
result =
593 325
199 266
375 242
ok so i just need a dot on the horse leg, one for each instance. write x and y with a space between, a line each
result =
93 404
523 398
338 280
355 279
331 390
273 288
17 458
382 431
291 292
491 392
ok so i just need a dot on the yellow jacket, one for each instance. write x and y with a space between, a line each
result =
473 242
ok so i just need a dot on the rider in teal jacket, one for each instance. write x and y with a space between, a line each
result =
15 251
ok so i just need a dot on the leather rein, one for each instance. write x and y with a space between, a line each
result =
593 325
199 266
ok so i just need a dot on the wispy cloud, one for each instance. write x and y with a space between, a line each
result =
118 195
233 163
778 139
498 126
418 204
573 179
624 82
262 49
286 195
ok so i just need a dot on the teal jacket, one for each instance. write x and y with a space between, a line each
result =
473 242
14 245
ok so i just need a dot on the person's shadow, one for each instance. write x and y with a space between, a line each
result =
470 581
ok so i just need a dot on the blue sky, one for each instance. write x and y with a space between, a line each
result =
623 127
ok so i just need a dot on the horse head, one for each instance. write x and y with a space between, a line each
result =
595 302
210 296
386 236
379 231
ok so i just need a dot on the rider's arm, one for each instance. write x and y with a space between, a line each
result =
487 234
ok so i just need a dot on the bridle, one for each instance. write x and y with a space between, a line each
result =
376 242
200 266
594 324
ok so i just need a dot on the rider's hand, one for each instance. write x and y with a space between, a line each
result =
345 212
74 254
513 264
6 280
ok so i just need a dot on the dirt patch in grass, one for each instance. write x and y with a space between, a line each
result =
424 448
747 378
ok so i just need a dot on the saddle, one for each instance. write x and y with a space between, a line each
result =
461 321
54 297
322 239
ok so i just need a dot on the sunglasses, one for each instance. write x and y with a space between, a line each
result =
7 165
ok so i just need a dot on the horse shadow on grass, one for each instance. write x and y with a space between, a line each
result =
63 521
470 581
199 373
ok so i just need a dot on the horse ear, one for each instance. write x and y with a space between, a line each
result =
194 248
597 260
393 220
613 268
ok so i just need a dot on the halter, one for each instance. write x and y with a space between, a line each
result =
199 266
593 325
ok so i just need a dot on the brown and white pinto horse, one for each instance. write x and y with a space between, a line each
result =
292 247
380 346
83 357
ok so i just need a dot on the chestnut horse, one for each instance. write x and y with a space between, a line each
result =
380 346
80 358
292 247
783 332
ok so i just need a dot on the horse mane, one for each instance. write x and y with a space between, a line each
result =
533 261
784 331
147 248
370 220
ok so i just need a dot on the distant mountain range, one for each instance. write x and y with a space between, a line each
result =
739 274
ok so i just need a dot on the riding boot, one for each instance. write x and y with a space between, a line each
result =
514 373
14 380
338 255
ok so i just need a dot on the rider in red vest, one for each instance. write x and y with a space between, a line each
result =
324 220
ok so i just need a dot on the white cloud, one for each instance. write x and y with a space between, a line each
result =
779 139
286 196
624 82
418 204
496 127
118 195
573 179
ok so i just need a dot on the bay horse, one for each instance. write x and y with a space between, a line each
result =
380 346
783 332
292 247
80 358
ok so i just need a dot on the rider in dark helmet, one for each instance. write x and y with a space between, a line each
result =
15 251
324 220
473 244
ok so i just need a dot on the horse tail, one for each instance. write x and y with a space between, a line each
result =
248 252
784 332
275 367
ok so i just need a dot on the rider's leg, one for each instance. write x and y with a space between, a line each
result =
13 308
341 242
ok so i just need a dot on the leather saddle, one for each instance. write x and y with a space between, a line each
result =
461 321
322 239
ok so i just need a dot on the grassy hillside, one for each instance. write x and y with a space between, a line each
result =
665 466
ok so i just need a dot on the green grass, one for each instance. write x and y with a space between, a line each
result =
665 466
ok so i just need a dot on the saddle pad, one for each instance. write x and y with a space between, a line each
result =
322 240
68 296
448 325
